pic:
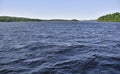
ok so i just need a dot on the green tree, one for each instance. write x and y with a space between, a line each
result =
115 17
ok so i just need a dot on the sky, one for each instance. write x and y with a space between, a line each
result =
59 9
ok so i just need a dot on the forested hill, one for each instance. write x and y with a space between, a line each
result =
15 19
22 19
115 17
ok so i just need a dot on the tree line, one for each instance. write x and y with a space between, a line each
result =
115 17
21 19
16 19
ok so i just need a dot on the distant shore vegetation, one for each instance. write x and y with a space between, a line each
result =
115 17
22 19
16 19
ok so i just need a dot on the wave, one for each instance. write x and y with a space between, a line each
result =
54 58
57 48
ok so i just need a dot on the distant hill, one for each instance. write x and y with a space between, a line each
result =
61 20
16 19
115 17
22 19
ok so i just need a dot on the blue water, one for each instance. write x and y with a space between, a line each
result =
59 48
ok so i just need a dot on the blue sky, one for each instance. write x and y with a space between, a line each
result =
59 9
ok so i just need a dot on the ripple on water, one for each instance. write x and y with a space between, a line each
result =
57 48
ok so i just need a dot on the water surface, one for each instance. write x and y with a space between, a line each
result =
59 48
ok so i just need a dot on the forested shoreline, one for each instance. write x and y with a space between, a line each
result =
16 19
22 19
115 17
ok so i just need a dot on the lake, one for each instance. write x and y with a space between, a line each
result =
86 47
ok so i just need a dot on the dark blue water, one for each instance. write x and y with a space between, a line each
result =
59 48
